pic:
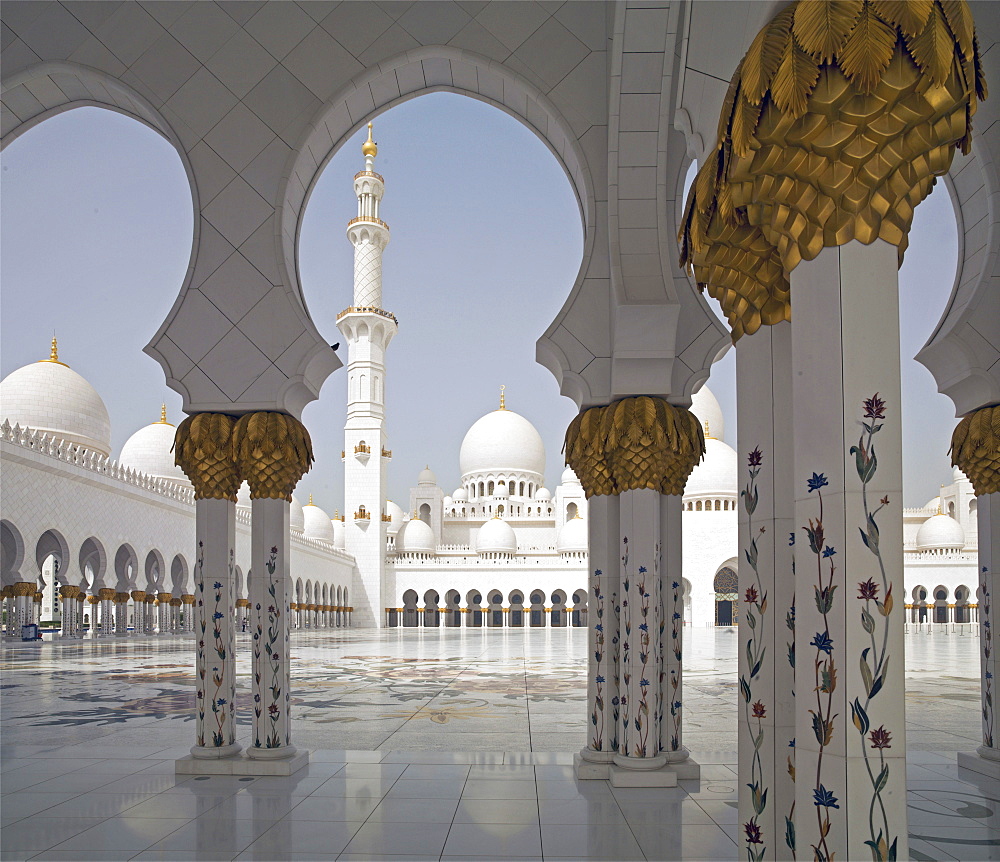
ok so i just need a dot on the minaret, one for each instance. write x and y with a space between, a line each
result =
368 329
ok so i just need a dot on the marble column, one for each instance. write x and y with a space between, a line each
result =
188 600
175 616
767 580
672 673
10 610
36 611
138 611
215 659
68 595
107 597
269 599
850 739
149 614
973 453
121 614
603 697
163 598
95 628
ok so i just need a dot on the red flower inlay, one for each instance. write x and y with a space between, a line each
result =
868 590
874 407
751 595
880 737
758 710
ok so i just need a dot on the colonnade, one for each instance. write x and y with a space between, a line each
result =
314 616
159 613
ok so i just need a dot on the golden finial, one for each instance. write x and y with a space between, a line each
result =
163 414
708 434
368 148
502 387
310 503
54 353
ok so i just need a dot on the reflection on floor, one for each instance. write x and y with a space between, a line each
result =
426 744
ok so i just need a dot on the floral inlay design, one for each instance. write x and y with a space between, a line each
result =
642 717
756 650
985 609
874 657
675 672
276 699
790 625
824 666
215 695
597 714
626 629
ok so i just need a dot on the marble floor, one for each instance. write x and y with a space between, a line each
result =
425 745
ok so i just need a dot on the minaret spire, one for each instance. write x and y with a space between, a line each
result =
502 406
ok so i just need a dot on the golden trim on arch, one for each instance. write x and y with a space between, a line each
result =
634 443
837 121
975 449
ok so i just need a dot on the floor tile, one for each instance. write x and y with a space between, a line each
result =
494 839
513 811
213 836
708 843
432 788
481 788
334 808
416 838
593 841
305 836
580 811
414 810
121 834
36 834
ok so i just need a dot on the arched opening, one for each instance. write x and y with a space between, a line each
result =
11 552
411 160
572 510
425 513
727 586
104 203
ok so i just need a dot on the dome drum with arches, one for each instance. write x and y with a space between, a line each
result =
502 443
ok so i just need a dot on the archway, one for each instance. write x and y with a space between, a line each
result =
11 552
727 586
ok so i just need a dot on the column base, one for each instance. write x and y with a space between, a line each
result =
588 768
974 761
241 765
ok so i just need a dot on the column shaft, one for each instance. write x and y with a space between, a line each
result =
988 513
767 576
215 586
270 591
850 727
672 625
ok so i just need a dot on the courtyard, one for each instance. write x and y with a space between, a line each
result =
425 744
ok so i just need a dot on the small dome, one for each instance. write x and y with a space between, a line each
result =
716 473
427 479
296 516
706 407
573 536
543 495
496 536
148 451
940 532
339 534
569 477
447 501
415 537
50 397
316 523
460 496
243 497
501 492
502 442
958 476
397 515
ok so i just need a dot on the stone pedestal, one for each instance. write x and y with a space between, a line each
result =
850 739
766 701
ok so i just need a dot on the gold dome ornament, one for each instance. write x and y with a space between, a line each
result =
54 353
369 147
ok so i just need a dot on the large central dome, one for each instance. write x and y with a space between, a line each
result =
502 442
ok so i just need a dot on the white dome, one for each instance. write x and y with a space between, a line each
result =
427 478
339 534
50 397
569 477
243 500
543 495
396 513
415 537
940 532
496 536
148 451
706 407
317 523
716 474
460 496
573 536
296 517
502 441
501 491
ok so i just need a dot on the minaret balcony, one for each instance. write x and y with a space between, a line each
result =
386 453
362 516
369 220
368 309
372 174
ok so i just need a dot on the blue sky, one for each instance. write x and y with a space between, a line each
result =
95 237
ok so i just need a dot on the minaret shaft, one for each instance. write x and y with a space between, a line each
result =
367 329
